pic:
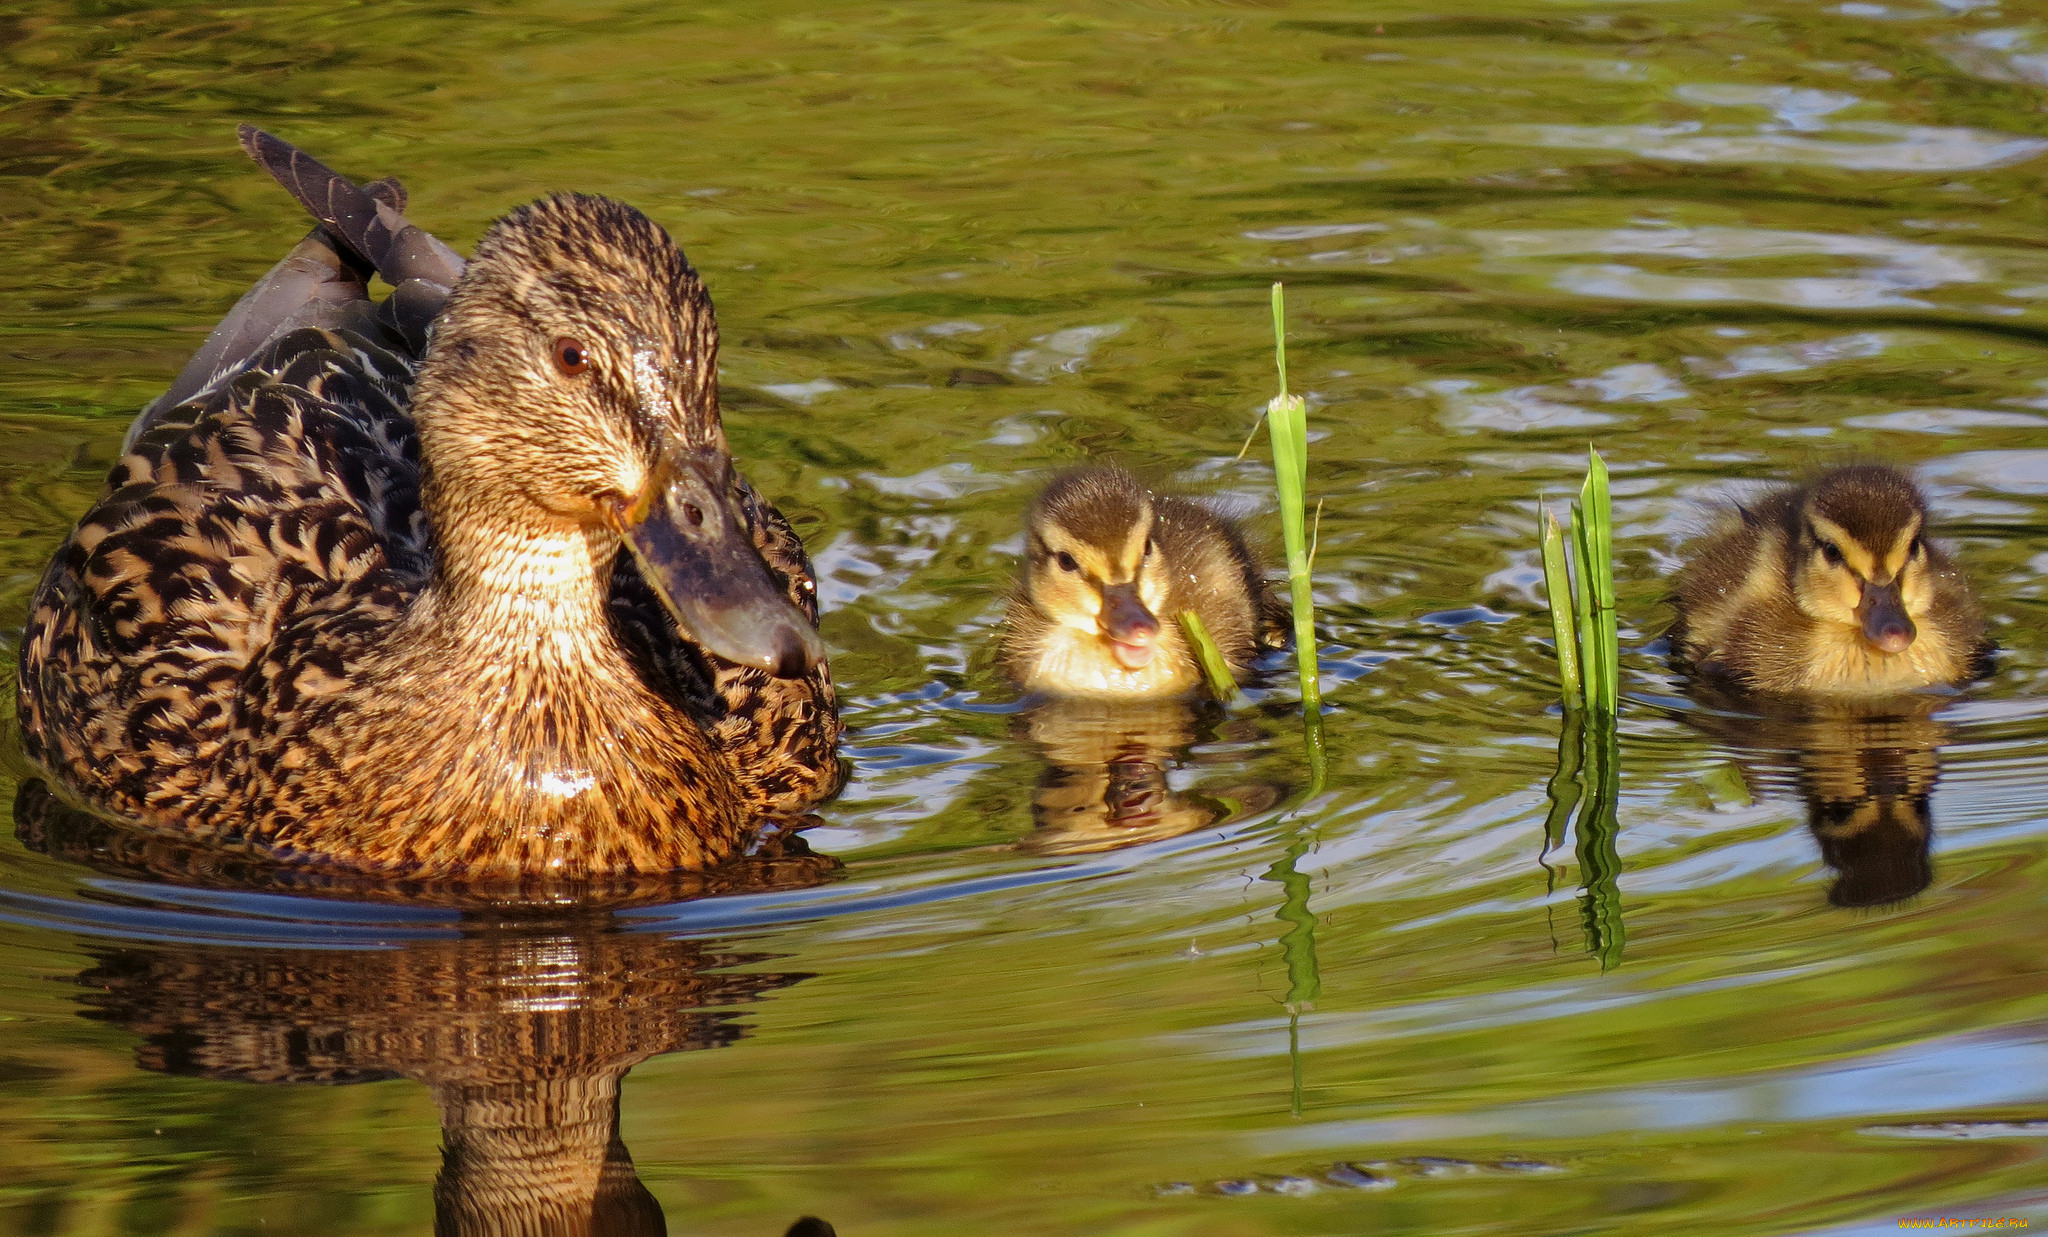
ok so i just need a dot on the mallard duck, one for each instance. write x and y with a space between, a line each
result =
355 594
1828 588
1109 567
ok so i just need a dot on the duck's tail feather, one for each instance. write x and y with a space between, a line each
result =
389 191
374 229
323 281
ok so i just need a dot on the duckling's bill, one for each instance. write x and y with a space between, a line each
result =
1130 627
693 548
1883 614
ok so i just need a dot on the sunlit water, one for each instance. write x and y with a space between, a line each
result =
955 246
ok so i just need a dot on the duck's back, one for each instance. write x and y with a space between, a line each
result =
246 544
1735 616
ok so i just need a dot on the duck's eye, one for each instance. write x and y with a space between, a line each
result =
571 358
1832 555
1066 561
1916 548
1149 546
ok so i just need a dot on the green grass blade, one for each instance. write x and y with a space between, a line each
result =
1598 567
1287 426
1214 668
1280 334
1287 421
1583 599
1557 590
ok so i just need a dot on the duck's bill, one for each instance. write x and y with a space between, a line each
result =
694 549
1131 628
1885 623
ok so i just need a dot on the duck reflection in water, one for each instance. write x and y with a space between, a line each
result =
521 1025
1109 772
1867 772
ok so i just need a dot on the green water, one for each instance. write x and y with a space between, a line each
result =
955 246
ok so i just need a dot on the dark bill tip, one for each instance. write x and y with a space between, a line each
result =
795 654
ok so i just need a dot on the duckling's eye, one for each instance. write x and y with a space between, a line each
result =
1830 553
571 359
1148 547
1066 561
1916 548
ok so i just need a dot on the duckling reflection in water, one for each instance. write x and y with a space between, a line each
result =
1866 772
1109 567
1108 780
1832 588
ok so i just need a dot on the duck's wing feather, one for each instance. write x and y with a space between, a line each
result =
205 575
370 228
322 284
312 287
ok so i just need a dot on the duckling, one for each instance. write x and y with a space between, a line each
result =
1108 569
1830 588
459 586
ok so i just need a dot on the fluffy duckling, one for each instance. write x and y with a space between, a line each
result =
1108 568
1829 588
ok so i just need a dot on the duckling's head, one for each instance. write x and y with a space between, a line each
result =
572 378
1091 562
1860 555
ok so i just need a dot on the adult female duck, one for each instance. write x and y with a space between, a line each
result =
354 600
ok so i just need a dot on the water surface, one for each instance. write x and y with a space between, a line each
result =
1081 974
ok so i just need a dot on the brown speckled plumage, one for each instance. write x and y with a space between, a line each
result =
351 605
1778 597
1170 554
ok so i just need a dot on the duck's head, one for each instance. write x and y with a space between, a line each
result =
573 375
1093 564
1860 557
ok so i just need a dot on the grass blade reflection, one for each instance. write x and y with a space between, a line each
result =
1599 827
